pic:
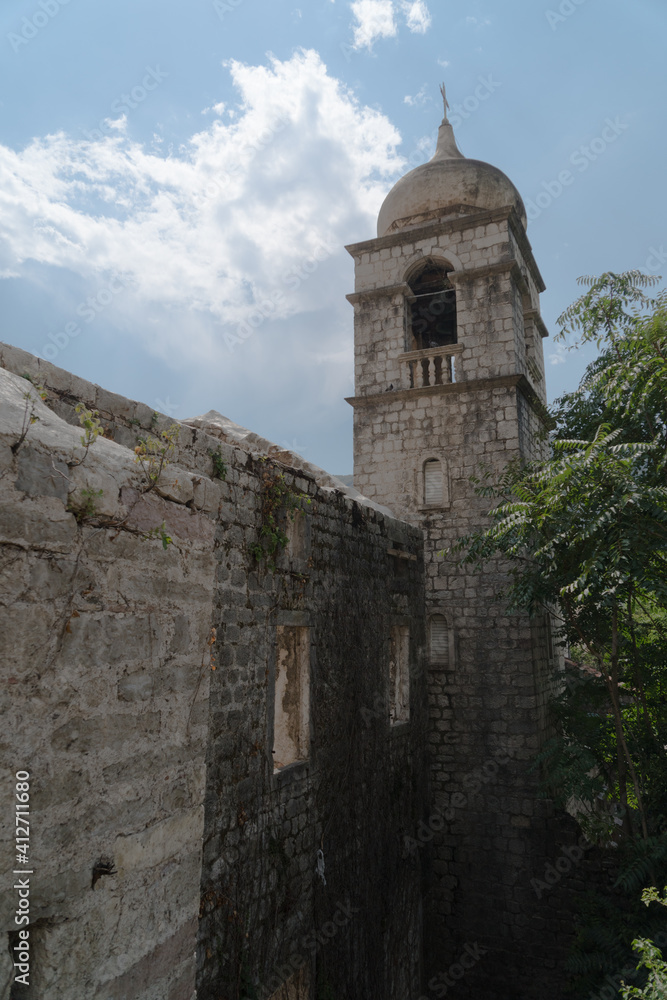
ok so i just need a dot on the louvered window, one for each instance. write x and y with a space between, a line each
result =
439 645
433 484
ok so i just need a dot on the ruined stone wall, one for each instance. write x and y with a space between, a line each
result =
355 929
105 704
118 601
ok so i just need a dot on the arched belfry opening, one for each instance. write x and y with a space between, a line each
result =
433 310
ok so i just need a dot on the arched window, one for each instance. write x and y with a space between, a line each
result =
433 313
438 640
434 483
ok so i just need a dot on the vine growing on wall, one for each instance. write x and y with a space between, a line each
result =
278 499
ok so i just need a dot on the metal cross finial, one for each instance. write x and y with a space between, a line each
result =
444 100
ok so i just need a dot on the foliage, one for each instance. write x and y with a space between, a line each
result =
160 532
90 422
650 958
85 506
278 499
29 415
153 453
583 536
219 467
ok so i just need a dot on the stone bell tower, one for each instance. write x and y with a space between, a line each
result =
449 381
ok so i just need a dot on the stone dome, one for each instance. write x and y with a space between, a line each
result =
449 184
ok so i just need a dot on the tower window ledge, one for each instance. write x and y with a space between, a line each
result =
435 366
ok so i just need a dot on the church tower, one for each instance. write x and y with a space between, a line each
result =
449 382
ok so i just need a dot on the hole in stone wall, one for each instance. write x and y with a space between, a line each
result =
399 675
291 719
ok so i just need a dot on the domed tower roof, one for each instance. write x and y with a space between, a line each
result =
448 185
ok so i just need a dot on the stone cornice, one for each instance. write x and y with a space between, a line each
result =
383 292
437 228
471 273
532 314
518 381
430 229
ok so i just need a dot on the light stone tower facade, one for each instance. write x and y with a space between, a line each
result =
449 380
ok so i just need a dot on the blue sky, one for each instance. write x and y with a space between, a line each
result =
178 180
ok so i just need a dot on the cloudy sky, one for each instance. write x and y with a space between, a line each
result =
178 181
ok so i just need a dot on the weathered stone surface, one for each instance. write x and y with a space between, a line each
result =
107 679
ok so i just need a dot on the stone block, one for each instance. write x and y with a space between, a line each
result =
167 839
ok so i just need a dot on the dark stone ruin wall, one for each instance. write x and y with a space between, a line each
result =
268 916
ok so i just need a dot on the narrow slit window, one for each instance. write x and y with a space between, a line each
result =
434 492
399 675
291 719
439 640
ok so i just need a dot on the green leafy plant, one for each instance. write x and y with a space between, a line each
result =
92 428
278 499
219 467
154 453
160 532
583 538
29 415
85 506
650 959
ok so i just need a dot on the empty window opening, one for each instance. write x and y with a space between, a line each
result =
399 675
291 720
434 485
433 313
439 640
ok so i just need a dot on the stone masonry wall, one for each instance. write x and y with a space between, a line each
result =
355 931
105 704
488 830
112 706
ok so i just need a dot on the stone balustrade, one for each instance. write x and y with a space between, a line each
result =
436 366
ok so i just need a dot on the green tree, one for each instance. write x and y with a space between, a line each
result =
584 537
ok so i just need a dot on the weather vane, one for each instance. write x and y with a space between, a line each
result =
444 100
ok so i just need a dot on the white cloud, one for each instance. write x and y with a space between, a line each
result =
417 15
443 62
559 356
246 218
375 19
417 100
216 109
